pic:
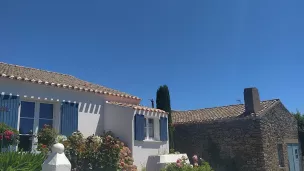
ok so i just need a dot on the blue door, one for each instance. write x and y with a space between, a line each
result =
293 157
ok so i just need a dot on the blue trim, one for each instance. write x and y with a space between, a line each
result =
163 129
69 118
9 107
139 127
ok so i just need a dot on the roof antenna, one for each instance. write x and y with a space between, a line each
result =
152 102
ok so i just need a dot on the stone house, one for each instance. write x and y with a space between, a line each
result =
30 98
255 136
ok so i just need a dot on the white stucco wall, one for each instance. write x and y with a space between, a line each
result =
90 104
119 121
143 149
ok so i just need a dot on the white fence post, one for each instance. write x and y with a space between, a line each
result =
57 161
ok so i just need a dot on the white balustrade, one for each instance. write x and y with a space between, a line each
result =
57 161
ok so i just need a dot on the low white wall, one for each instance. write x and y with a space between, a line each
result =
119 121
90 105
143 149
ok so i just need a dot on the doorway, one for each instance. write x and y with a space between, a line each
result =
293 157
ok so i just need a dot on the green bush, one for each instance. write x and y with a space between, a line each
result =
21 161
98 153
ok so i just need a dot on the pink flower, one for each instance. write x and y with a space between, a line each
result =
7 137
179 165
178 161
195 158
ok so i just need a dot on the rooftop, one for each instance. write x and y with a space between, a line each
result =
55 79
135 107
216 113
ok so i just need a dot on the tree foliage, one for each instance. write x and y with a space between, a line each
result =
163 102
300 119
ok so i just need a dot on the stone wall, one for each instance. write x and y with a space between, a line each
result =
278 127
233 145
241 144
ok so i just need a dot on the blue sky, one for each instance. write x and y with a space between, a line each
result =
206 51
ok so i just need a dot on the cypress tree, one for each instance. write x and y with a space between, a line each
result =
163 103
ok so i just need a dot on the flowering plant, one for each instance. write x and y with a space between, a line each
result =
46 138
182 165
115 155
98 153
8 136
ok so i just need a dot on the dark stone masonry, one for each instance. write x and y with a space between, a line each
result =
242 143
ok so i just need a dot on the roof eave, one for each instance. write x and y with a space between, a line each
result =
81 89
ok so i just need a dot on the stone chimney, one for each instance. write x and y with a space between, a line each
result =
252 100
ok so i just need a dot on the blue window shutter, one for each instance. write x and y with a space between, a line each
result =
163 129
139 126
9 107
69 118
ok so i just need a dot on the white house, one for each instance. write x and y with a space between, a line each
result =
32 97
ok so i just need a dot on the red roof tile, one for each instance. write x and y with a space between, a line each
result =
216 113
56 79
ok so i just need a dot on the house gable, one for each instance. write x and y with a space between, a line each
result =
279 127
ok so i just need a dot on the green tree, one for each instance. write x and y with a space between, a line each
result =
163 103
300 119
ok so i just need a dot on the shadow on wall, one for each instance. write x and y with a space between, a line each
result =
93 109
89 108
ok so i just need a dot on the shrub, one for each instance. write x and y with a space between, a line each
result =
182 165
98 153
8 136
74 150
21 161
46 138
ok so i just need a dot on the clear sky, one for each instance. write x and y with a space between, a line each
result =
206 51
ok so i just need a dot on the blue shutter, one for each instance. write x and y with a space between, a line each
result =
69 118
163 128
139 127
9 107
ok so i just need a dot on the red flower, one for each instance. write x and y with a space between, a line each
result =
178 161
43 146
8 133
1 136
7 137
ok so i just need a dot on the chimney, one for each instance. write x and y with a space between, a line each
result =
252 100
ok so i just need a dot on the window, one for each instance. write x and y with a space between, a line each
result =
281 155
27 115
45 115
149 128
33 116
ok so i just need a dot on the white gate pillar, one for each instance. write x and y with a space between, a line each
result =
57 161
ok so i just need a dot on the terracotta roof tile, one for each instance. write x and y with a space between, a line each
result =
55 79
135 107
216 113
